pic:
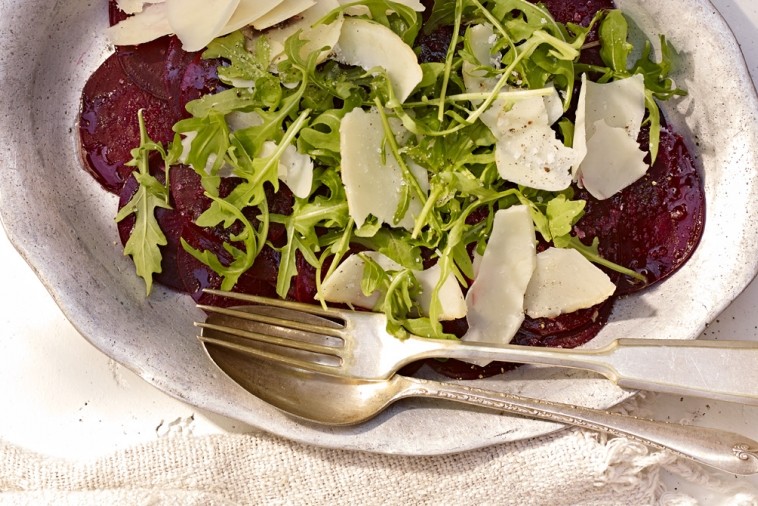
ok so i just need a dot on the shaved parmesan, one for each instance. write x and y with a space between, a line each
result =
608 121
564 281
319 36
149 24
495 300
369 45
452 303
362 10
343 286
247 12
238 120
527 151
620 103
416 5
554 106
197 22
372 177
480 39
605 171
135 6
282 12
295 168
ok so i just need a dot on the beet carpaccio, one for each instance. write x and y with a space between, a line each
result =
445 218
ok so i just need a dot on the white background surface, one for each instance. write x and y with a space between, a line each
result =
61 397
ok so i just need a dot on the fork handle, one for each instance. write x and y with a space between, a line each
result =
723 370
720 449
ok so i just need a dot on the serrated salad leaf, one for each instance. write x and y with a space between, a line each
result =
146 237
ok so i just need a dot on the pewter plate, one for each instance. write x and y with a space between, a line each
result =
61 221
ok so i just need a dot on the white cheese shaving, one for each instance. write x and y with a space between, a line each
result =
416 5
319 37
608 121
135 6
369 45
197 22
295 169
480 39
239 120
527 151
247 12
495 300
149 24
620 103
606 171
564 281
450 296
372 177
362 10
282 12
343 286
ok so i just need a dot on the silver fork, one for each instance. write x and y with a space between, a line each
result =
355 344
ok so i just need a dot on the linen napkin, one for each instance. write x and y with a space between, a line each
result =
567 468
570 467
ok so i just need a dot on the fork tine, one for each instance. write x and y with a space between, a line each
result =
286 304
269 339
307 365
272 320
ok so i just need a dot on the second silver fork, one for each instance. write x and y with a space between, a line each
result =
356 344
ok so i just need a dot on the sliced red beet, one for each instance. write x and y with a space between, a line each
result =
115 15
459 370
260 279
189 78
145 65
579 13
187 192
653 226
108 125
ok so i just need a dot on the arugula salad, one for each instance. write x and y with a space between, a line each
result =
429 189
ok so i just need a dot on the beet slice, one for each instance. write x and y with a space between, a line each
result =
260 279
115 15
145 65
188 77
579 13
653 226
668 210
108 125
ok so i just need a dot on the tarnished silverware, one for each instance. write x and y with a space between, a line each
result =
339 400
356 344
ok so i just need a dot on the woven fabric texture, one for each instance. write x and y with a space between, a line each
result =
571 467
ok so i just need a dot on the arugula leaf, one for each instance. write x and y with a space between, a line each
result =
395 244
614 48
146 237
208 148
562 214
592 254
245 67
